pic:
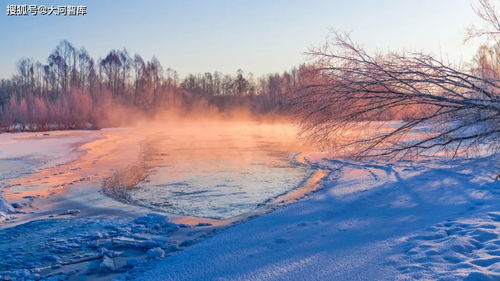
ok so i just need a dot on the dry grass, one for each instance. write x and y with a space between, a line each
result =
122 181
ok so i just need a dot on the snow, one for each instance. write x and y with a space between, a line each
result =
107 264
3 217
102 245
156 253
57 145
156 221
433 219
5 207
467 248
436 219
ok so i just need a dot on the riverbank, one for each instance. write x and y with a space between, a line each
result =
432 219
435 219
72 230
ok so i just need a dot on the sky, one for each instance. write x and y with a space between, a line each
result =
258 36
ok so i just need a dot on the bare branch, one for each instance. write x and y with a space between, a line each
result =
347 90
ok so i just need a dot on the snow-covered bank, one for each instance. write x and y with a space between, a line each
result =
435 219
72 248
22 153
63 226
432 220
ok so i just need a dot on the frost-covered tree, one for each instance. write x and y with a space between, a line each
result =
454 109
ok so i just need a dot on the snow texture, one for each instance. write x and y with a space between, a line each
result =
28 255
431 220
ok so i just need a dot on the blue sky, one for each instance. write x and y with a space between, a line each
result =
258 36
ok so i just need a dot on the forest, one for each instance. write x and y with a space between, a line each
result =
338 90
73 91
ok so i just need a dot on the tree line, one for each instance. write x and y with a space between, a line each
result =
72 90
335 96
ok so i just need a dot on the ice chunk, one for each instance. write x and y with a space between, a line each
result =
70 212
5 207
156 253
155 221
110 253
186 243
107 264
3 217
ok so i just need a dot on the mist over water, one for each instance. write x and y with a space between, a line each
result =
209 166
214 168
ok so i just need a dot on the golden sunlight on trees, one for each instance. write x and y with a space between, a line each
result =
71 91
444 108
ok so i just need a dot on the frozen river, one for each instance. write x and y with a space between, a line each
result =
218 170
214 170
74 193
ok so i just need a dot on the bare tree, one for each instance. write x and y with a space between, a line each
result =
348 93
487 12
